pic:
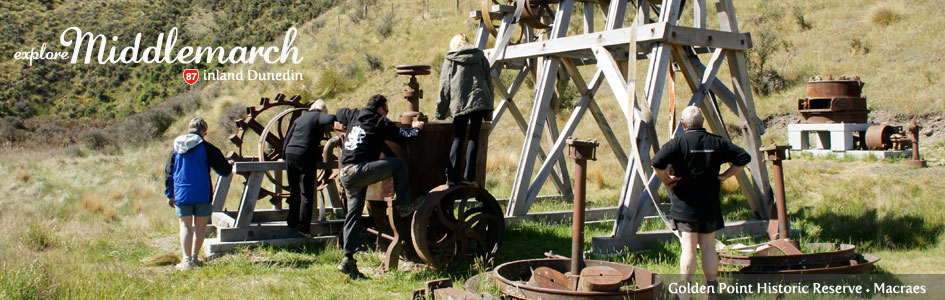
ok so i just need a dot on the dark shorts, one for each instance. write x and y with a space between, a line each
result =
698 226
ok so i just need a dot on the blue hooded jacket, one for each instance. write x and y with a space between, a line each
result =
187 173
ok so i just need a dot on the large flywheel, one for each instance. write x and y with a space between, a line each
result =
277 114
457 223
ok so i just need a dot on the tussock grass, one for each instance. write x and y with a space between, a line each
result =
38 237
884 16
161 259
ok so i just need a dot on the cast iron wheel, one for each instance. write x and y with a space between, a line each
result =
457 223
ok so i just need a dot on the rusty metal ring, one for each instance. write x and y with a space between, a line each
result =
444 226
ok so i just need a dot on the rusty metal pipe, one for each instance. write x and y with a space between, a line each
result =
580 151
779 199
577 230
776 154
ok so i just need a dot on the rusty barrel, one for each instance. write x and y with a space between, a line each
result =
427 156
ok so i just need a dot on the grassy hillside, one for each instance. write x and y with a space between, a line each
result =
91 222
59 89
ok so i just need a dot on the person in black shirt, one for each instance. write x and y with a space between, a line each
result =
366 131
302 150
696 158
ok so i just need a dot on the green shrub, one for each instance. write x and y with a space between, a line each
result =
374 62
386 25
800 19
331 83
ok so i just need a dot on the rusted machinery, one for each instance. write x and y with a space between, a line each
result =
834 101
784 256
454 222
559 277
885 137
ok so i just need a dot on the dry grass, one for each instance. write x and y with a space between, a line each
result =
113 254
884 16
161 259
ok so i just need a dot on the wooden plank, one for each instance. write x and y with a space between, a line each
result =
522 125
256 166
617 39
608 132
222 220
214 247
250 195
588 17
561 167
699 14
277 230
591 215
502 38
482 35
220 192
544 89
506 96
615 14
647 239
599 117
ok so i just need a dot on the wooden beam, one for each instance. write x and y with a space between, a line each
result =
589 17
615 14
257 166
617 39
518 202
569 127
250 195
608 132
647 239
220 192
699 14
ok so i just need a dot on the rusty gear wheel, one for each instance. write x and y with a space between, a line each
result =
457 223
269 138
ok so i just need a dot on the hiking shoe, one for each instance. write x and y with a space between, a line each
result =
349 266
407 209
184 265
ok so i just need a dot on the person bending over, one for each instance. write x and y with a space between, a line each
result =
366 130
302 150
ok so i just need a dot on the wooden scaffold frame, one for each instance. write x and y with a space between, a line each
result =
654 35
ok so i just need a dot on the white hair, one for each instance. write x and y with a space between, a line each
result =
692 117
319 105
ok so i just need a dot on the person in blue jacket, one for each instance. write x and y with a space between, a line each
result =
188 188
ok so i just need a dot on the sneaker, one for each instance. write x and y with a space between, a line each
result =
407 209
196 262
349 266
184 265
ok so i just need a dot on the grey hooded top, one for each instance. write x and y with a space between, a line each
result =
184 143
465 86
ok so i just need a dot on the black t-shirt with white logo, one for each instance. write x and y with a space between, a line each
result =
697 157
366 132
